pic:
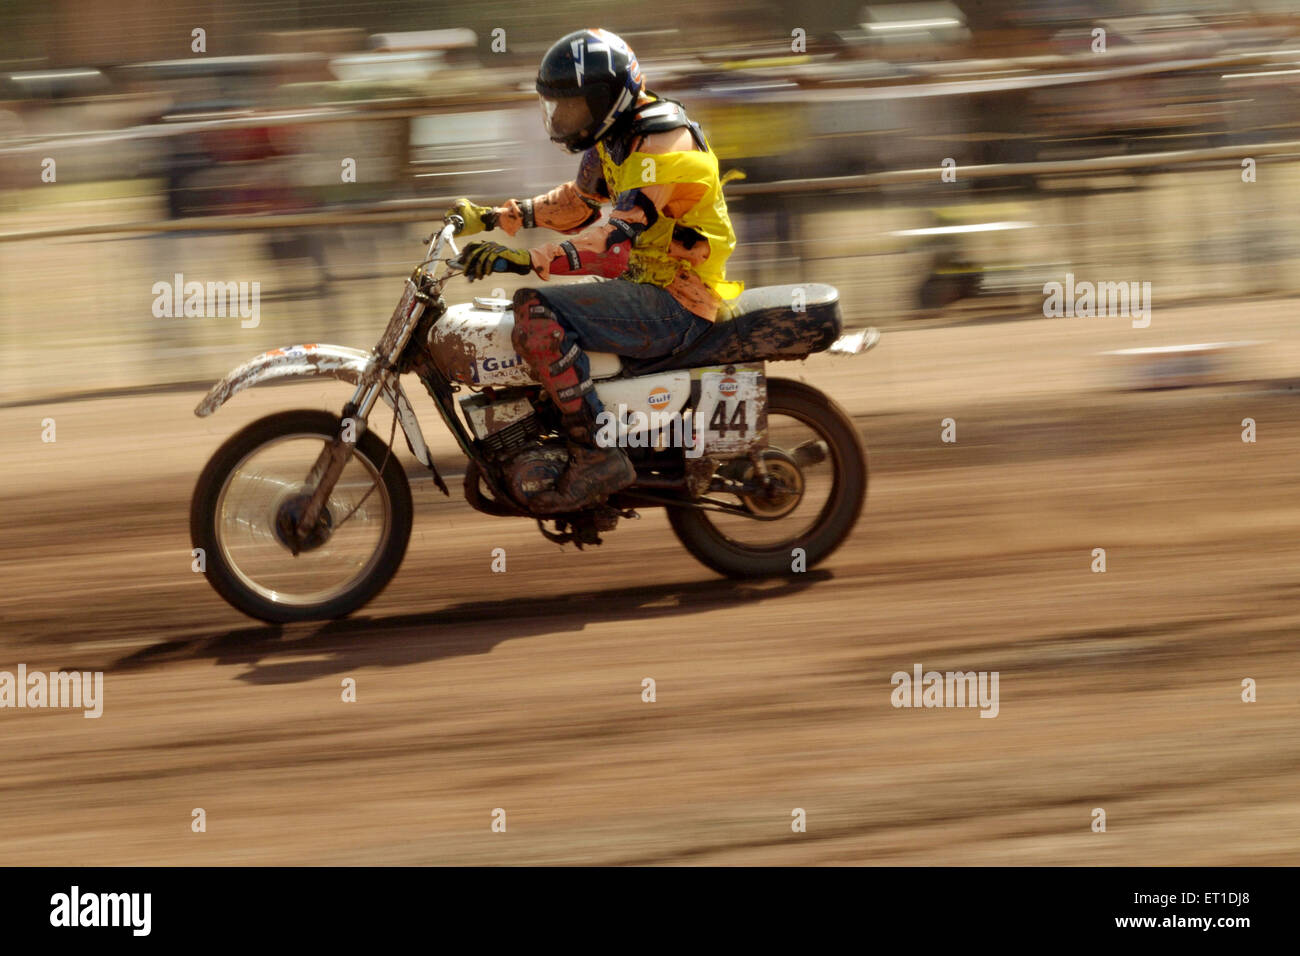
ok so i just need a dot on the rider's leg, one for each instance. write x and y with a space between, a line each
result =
557 361
619 316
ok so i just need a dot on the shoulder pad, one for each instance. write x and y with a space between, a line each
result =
662 116
658 117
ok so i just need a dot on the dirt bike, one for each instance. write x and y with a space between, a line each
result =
306 515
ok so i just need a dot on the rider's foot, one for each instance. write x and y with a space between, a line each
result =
594 473
592 476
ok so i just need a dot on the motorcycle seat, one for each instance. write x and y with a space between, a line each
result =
768 323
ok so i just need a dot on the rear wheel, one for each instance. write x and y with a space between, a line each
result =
250 496
817 465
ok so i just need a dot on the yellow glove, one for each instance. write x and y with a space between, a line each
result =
481 258
477 218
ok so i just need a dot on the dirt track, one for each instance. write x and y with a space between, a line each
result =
1118 690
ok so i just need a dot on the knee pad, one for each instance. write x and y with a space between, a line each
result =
539 338
537 335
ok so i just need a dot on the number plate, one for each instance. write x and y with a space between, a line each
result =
731 416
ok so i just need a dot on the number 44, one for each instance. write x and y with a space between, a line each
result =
719 423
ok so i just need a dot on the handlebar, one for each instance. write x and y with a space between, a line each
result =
451 226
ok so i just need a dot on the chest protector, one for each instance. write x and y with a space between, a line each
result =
650 260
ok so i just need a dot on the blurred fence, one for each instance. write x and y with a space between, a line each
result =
79 274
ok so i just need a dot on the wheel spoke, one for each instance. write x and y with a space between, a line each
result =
264 496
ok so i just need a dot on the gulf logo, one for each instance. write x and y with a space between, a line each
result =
728 386
659 397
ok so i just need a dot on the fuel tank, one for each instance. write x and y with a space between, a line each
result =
471 344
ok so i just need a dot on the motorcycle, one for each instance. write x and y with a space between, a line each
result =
305 515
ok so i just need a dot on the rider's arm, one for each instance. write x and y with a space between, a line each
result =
568 208
603 250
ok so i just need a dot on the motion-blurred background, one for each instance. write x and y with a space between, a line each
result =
128 130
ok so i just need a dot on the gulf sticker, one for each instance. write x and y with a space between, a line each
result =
659 396
728 386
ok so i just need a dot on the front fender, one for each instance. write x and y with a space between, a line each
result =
294 361
306 361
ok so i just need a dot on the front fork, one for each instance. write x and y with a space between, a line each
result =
329 465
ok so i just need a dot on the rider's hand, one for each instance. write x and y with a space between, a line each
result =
481 258
477 218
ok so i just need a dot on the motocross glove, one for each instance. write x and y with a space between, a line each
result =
477 218
481 258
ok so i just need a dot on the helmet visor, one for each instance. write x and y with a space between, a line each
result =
565 117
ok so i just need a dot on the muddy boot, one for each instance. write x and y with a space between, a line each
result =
594 473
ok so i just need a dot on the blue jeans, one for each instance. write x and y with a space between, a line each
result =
627 318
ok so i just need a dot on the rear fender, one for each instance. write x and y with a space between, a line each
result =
306 361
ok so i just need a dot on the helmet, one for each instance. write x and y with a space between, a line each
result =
587 82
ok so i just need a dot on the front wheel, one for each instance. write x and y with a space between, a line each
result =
254 489
817 467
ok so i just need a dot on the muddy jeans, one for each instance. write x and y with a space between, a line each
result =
627 318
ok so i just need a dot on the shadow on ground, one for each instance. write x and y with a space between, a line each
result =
467 628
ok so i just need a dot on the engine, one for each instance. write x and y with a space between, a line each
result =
508 427
535 469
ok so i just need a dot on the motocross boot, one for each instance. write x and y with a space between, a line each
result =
594 473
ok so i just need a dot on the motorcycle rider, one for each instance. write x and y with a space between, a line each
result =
663 249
